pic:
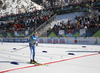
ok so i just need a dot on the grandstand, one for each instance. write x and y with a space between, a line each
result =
22 24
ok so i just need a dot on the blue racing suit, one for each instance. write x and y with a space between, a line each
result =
37 39
32 42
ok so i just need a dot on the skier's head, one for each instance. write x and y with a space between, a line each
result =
35 33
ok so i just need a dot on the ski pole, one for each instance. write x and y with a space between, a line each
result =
20 49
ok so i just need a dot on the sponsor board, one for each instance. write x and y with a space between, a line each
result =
82 41
1 39
24 40
98 40
61 40
14 40
11 40
41 40
55 40
49 40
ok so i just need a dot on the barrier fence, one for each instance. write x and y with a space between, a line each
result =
57 40
90 32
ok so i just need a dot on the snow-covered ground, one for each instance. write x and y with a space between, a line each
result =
69 16
85 59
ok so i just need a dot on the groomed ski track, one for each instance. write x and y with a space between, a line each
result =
56 58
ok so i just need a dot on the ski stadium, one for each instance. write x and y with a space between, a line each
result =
68 36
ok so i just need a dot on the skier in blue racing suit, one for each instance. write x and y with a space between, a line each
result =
32 42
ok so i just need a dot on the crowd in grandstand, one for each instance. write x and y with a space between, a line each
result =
82 23
24 20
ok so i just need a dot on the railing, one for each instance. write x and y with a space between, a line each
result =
43 28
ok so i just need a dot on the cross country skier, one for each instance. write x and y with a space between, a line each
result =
32 42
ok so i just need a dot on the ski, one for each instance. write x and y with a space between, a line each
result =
40 64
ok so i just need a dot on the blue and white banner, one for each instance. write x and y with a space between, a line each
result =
56 40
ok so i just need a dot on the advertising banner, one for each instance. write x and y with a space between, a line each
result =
62 40
61 32
71 40
49 40
11 40
5 40
26 33
18 40
15 33
41 40
24 40
1 39
83 32
82 40
55 40
98 40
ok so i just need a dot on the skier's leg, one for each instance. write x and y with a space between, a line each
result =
34 54
33 47
31 54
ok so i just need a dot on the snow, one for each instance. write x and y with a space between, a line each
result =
69 16
14 6
81 62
